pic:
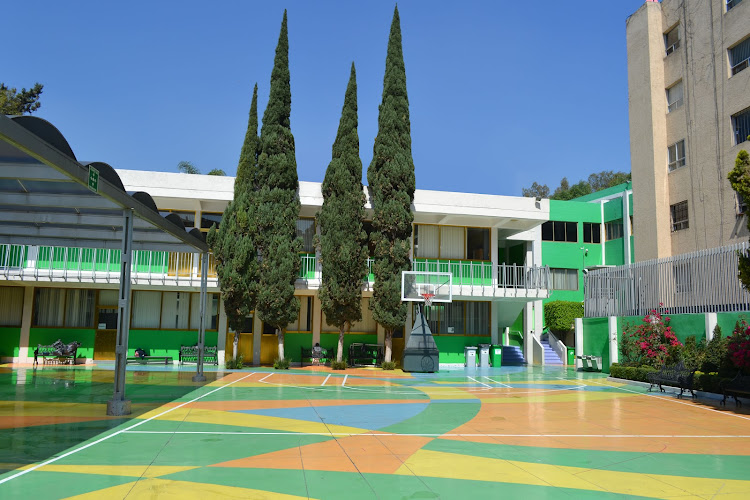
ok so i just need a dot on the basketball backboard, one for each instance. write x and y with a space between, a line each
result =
417 286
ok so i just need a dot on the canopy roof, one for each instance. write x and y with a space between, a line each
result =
45 199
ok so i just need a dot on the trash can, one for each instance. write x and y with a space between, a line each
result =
470 353
571 356
484 355
496 355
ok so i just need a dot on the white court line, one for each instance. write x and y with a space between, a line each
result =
497 382
343 382
606 436
672 400
118 432
326 380
261 380
478 382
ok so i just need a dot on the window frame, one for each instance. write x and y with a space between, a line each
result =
610 234
736 67
594 236
567 228
679 209
732 3
677 162
670 49
741 119
566 275
677 103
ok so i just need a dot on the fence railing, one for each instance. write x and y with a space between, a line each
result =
486 274
698 282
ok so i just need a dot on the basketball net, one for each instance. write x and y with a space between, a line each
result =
428 298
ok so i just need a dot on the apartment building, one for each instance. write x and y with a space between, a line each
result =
689 108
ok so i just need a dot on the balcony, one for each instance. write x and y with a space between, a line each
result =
482 278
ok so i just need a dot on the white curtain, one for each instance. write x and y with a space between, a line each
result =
452 244
368 324
11 298
564 279
428 241
108 297
146 309
80 308
48 307
174 310
212 310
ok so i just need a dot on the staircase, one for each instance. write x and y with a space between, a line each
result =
512 356
550 356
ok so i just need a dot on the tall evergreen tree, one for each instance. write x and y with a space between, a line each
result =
233 243
343 241
739 178
277 203
392 183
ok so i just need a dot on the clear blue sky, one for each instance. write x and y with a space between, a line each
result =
501 93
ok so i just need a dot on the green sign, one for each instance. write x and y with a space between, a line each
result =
93 179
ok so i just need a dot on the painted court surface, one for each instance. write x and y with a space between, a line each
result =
503 433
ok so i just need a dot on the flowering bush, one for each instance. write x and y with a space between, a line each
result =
739 346
652 343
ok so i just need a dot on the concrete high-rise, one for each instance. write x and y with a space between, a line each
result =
689 107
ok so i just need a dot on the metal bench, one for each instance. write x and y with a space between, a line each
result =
674 376
143 360
58 352
591 363
365 354
738 386
325 353
189 354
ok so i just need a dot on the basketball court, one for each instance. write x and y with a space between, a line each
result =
363 433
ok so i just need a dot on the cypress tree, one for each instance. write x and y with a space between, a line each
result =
392 183
233 243
277 203
343 241
739 178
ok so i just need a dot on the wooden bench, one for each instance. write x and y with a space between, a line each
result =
365 354
738 386
326 353
674 376
189 354
57 353
150 359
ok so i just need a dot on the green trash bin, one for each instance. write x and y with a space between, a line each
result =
571 356
496 355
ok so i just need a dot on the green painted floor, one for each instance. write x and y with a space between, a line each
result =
311 433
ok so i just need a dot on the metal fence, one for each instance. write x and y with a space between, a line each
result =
698 282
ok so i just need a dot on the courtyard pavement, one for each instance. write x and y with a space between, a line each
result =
511 432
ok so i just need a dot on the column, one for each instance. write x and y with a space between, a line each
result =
578 323
257 333
317 317
221 335
494 327
25 351
613 347
711 322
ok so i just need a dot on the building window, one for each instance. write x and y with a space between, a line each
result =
451 242
740 204
560 231
306 231
459 318
186 216
477 243
679 212
739 56
613 230
208 219
674 97
592 232
676 153
564 279
732 3
60 307
741 126
672 39
11 297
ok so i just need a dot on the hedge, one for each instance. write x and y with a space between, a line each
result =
560 314
706 382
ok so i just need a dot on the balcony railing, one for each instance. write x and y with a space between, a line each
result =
473 273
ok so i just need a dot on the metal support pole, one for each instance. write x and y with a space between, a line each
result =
199 377
118 405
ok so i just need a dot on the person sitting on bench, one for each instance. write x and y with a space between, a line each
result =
140 353
317 353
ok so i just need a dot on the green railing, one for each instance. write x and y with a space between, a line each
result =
465 272
308 270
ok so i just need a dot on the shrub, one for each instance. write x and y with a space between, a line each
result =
559 315
338 365
388 365
281 364
654 338
738 346
693 353
630 351
639 373
234 364
716 359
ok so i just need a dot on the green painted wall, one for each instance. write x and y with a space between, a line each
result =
331 340
727 321
451 347
9 339
516 332
166 342
47 336
683 325
613 210
615 252
294 341
574 211
596 338
516 254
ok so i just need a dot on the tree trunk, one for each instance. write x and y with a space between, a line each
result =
280 335
340 351
388 344
234 345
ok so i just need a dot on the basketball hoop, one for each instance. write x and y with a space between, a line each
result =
428 298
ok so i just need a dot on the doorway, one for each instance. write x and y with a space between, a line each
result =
269 345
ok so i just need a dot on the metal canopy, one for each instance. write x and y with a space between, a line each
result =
47 197
44 197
